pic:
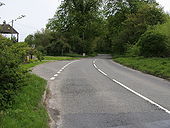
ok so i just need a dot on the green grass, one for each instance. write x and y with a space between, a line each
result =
33 64
156 66
28 110
73 55
47 59
59 58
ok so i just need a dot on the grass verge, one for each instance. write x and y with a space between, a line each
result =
28 110
59 58
33 64
155 66
47 59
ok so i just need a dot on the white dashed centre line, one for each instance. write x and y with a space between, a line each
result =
56 75
53 78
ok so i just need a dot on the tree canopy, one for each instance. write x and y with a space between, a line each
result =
105 26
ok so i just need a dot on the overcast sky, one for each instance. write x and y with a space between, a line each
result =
37 13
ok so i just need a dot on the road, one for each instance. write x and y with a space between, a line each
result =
99 93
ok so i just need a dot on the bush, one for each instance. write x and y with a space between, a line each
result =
164 29
11 74
39 55
133 50
21 50
153 44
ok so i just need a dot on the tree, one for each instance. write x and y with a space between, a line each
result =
30 40
128 20
78 21
40 40
89 26
137 23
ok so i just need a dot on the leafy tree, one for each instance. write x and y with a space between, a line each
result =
77 20
30 40
105 26
40 40
129 19
48 42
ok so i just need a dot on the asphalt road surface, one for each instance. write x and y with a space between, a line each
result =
99 93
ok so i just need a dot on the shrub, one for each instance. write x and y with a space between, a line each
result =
133 50
21 50
164 29
39 55
11 74
153 44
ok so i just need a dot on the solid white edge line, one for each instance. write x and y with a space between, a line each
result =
143 97
136 93
95 66
102 72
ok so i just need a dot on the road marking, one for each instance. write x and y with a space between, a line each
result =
102 72
95 66
52 78
143 97
56 75
129 89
